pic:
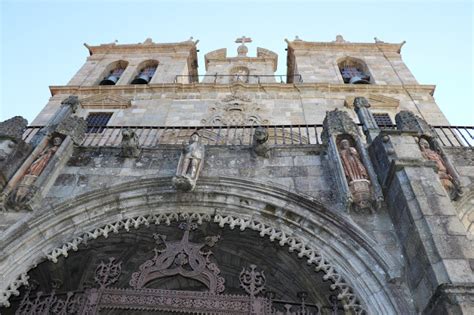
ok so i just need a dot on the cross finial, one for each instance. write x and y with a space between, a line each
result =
242 40
242 49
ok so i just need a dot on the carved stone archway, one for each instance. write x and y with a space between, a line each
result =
346 255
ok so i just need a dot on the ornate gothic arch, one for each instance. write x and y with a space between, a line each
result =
325 239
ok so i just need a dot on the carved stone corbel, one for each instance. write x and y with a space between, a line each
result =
432 150
355 177
130 144
189 165
13 150
260 144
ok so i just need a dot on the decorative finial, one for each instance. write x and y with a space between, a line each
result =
242 49
378 41
340 39
148 41
297 39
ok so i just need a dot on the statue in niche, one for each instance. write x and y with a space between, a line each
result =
130 145
190 164
260 142
25 189
446 179
38 165
356 175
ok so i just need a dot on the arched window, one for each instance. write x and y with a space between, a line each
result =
146 71
354 71
113 72
239 74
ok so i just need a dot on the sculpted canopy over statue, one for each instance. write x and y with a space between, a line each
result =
431 155
353 167
190 164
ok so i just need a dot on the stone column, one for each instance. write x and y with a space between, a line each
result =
67 108
371 129
437 252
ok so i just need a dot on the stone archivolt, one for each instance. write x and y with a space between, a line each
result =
285 235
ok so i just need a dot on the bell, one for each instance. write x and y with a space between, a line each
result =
358 80
110 80
141 79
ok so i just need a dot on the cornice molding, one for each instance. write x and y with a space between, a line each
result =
345 46
142 47
212 87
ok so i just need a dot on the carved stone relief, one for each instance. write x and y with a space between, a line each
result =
190 164
234 110
174 258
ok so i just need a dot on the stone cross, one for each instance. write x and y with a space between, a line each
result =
242 49
242 40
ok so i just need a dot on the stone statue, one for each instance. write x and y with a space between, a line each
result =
13 150
25 189
446 179
260 142
190 164
130 144
353 167
356 175
38 165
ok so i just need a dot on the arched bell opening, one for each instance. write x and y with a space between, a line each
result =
113 72
146 71
354 71
159 269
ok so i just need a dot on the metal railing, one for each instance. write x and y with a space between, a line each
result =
234 78
279 135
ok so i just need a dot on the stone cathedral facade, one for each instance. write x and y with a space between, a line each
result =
145 188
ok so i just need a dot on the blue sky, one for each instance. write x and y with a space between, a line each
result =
41 41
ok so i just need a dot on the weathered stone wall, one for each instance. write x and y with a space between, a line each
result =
175 106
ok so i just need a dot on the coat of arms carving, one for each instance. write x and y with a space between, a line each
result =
234 110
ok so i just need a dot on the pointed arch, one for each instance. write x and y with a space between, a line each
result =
340 249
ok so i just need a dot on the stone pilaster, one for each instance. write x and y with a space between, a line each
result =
370 127
436 249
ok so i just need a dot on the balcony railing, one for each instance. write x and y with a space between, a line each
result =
279 135
234 78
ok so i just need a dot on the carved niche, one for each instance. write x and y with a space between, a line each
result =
431 150
234 110
13 150
355 178
26 189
